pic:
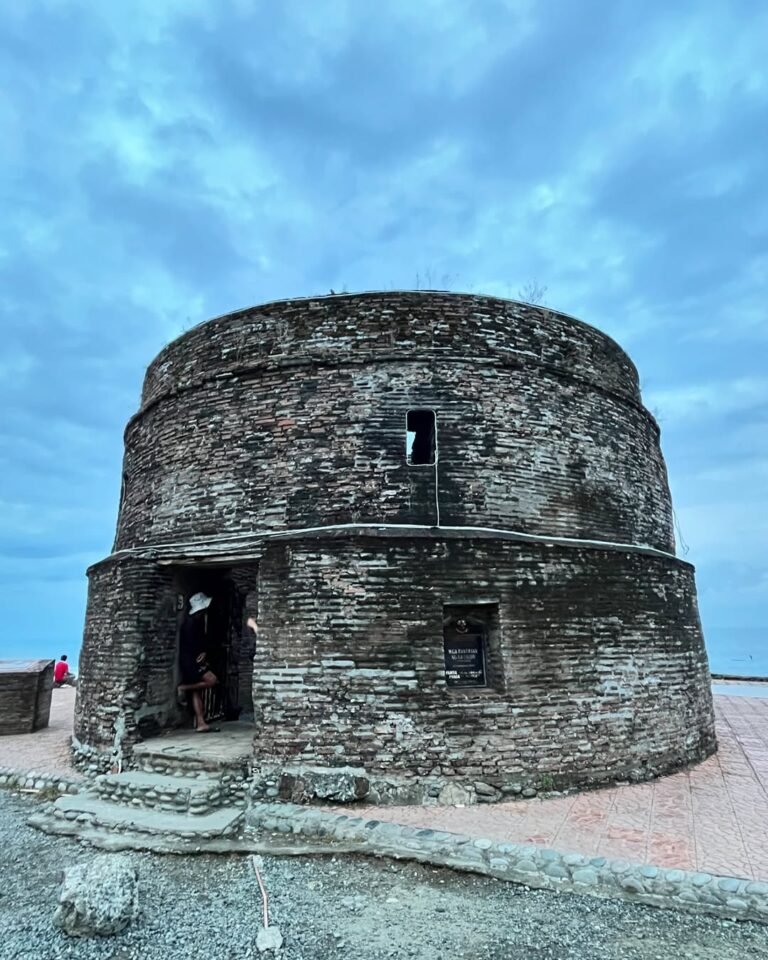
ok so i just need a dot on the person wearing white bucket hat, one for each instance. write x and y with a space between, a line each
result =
198 602
196 675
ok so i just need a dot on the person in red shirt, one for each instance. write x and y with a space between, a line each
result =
61 675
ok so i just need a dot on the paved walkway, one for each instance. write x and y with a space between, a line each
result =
46 750
712 817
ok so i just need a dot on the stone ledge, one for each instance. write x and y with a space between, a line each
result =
103 838
88 807
537 867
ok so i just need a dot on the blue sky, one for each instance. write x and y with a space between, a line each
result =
165 161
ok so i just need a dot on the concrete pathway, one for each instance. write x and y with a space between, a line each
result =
713 817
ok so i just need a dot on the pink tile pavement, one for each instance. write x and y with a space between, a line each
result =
712 817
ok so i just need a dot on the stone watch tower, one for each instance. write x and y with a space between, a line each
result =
449 515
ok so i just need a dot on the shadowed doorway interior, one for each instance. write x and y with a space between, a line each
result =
229 643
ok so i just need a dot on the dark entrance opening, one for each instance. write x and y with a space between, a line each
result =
229 643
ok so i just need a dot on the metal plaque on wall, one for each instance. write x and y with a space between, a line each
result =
464 660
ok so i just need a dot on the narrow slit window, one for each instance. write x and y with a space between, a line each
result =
420 437
123 488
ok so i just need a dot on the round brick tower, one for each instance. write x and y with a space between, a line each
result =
450 516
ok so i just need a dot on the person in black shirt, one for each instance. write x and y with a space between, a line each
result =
196 674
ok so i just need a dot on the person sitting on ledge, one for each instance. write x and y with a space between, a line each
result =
61 674
196 674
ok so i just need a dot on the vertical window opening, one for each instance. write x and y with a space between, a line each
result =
420 437
123 487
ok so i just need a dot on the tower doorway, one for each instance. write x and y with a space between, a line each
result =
229 642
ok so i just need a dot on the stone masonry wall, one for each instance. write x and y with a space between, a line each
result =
128 657
25 695
403 324
305 438
605 675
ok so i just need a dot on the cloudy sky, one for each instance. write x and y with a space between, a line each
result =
164 161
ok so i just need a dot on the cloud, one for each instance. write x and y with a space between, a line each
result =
172 161
697 401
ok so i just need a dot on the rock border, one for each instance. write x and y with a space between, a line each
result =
534 867
37 781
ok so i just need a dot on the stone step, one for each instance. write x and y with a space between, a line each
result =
179 765
227 753
75 813
196 795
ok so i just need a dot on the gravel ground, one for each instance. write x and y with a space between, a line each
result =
209 908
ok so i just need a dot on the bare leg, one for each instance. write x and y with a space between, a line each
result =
201 685
208 679
197 706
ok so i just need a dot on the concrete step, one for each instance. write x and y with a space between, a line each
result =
196 795
72 814
228 752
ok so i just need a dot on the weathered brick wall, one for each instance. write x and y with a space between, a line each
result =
605 672
539 427
242 640
405 324
293 415
128 658
25 695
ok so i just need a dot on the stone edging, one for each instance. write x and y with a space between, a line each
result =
37 781
537 867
